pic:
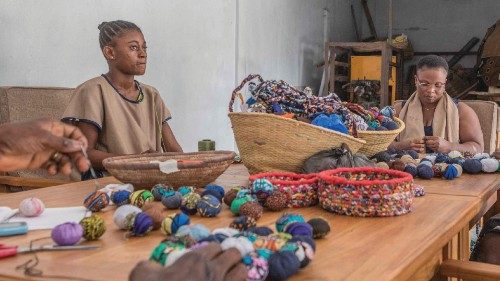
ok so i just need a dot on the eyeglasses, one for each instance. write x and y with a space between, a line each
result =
426 85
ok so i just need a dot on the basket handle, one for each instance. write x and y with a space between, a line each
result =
242 84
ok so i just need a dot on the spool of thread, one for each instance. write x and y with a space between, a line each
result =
208 206
67 234
31 207
282 265
206 145
160 190
172 200
120 197
143 224
93 227
320 227
124 215
277 201
155 212
140 197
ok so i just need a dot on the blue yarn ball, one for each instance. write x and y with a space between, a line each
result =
243 193
210 238
195 232
299 228
179 220
472 166
458 160
120 197
389 124
388 111
307 239
217 188
172 200
282 265
213 193
184 190
143 223
160 190
209 206
219 237
424 171
412 153
411 169
261 230
450 172
381 128
286 219
442 158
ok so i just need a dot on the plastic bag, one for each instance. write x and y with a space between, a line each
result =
335 158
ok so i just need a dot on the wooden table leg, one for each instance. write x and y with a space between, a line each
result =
464 244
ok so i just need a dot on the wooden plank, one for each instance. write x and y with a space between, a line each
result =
326 70
368 15
30 182
469 270
384 75
360 46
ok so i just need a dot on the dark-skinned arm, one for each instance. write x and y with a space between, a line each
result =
471 134
169 140
95 156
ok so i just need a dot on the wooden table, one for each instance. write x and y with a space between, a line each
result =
408 247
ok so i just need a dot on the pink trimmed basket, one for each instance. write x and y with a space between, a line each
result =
300 189
366 192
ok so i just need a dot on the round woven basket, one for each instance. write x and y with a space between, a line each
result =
268 142
194 169
300 189
377 141
366 192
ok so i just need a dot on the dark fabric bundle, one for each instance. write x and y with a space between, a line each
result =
335 158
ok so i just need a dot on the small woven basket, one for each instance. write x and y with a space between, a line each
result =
366 192
377 141
301 189
194 169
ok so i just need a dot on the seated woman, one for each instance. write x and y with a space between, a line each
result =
434 121
116 113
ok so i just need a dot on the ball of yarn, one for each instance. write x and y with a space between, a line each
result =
257 267
141 197
217 188
389 124
189 202
161 253
243 223
238 202
442 158
120 197
261 230
424 171
398 165
481 156
426 162
159 190
286 219
124 215
277 201
31 207
450 172
212 193
67 234
382 156
411 169
299 228
320 227
93 227
252 209
455 154
382 165
185 190
407 159
412 153
387 111
231 195
208 206
283 265
489 165
241 243
438 172
301 250
418 190
172 223
192 234
459 169
172 200
96 201
305 239
472 166
143 224
244 192
262 188
155 212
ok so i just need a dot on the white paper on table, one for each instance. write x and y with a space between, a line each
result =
52 217
6 213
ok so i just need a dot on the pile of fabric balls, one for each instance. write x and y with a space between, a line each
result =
438 165
266 254
278 97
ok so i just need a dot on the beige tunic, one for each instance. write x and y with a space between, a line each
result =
124 126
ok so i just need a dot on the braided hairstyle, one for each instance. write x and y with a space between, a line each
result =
111 29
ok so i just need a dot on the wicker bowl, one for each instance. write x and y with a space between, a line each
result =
377 141
194 169
366 192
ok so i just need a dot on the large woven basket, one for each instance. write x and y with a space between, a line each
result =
195 168
377 141
366 192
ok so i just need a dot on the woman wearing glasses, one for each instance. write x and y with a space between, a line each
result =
434 121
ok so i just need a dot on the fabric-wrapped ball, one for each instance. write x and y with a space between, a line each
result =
424 171
450 172
172 200
241 243
299 228
455 154
262 188
208 206
472 166
481 156
252 209
155 212
31 207
282 265
67 234
382 156
124 215
140 197
192 234
96 201
257 267
407 159
213 193
442 158
231 195
418 190
302 250
261 230
93 227
165 252
382 165
287 219
489 165
411 169
437 170
120 197
320 227
216 188
143 224
160 190
278 201
398 165
172 223
189 202
185 190
459 169
243 223
238 202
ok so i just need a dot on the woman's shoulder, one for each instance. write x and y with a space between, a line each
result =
93 83
148 88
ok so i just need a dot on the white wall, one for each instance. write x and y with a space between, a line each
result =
197 49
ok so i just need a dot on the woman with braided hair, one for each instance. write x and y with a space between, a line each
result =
116 113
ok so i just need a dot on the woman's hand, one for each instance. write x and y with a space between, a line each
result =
209 263
437 144
416 144
45 144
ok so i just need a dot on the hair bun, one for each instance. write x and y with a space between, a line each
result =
102 25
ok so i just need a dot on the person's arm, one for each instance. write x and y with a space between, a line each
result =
95 156
169 140
413 144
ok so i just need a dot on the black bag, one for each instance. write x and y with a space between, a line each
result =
487 248
335 158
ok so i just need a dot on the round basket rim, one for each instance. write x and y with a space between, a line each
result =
330 176
298 123
299 178
401 127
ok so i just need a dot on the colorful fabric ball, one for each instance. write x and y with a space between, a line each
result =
172 223
425 171
96 201
160 190
320 227
406 159
257 267
450 172
124 216
93 227
489 165
472 166
260 230
238 202
243 223
278 201
143 224
31 207
241 243
382 165
459 169
287 219
251 209
164 253
172 200
302 251
411 169
208 206
418 190
299 228
189 202
382 156
398 165
438 172
481 156
231 195
120 197
282 265
67 234
442 158
192 234
262 188
213 193
155 212
184 190
140 197
217 188
455 154
305 239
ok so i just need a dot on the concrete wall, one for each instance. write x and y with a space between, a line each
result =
198 49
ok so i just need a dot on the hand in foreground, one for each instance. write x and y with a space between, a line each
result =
416 144
51 145
437 144
209 263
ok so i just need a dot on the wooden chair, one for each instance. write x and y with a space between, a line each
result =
18 104
470 270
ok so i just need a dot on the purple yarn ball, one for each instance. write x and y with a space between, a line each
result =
299 228
143 223
282 265
67 234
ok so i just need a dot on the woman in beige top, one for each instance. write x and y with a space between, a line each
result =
117 114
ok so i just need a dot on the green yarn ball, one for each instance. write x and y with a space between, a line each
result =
93 227
238 202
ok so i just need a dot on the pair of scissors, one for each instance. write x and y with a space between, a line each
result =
9 251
